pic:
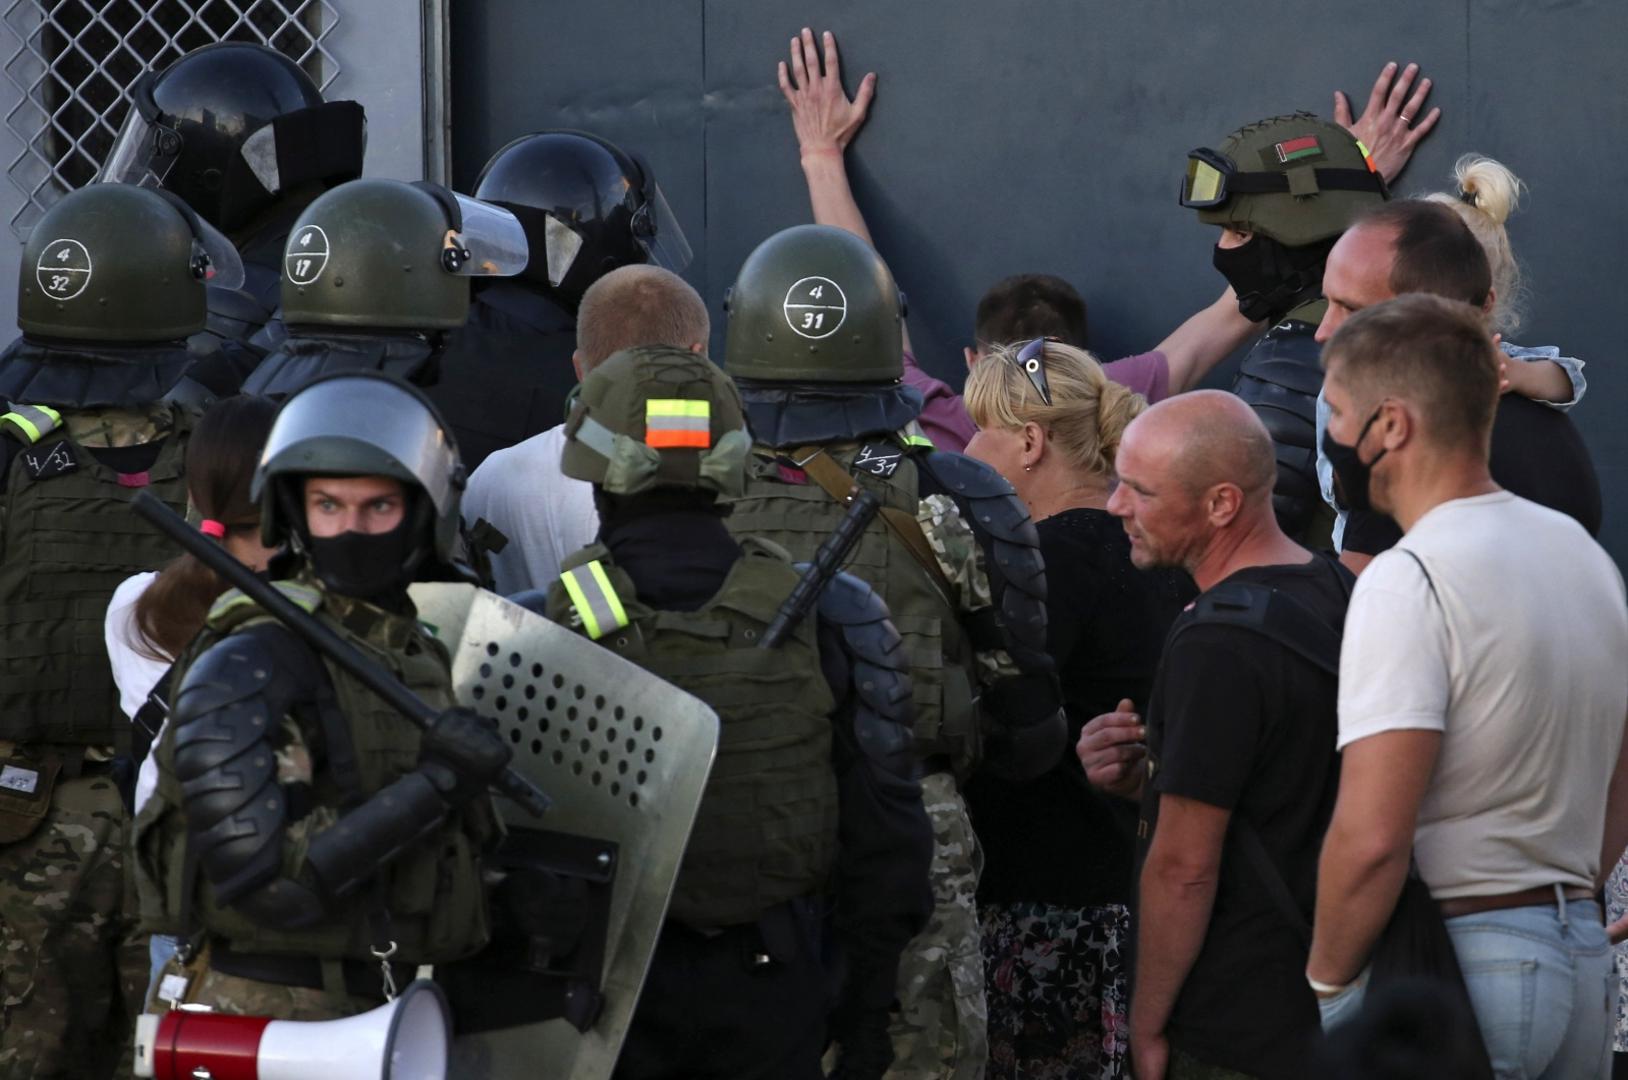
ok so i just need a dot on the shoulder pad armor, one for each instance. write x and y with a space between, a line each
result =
963 476
229 706
879 671
1280 379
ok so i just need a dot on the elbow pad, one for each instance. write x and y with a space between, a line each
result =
353 849
1026 731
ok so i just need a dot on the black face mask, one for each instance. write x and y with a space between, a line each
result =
1271 280
365 565
1351 474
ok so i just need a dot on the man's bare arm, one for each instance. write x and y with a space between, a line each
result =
1178 885
1365 857
1208 337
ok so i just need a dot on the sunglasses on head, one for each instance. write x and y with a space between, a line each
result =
1031 360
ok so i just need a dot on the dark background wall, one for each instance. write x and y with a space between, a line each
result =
1048 135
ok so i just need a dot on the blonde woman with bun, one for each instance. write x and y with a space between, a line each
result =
1485 194
1054 895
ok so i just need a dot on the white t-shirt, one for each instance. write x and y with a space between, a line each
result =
134 672
1516 650
545 514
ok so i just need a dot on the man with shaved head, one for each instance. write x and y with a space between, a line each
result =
545 514
1239 744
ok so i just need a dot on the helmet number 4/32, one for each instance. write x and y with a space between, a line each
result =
815 307
63 269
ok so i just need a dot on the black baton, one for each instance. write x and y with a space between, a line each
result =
832 553
511 784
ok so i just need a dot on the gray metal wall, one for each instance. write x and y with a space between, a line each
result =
1049 135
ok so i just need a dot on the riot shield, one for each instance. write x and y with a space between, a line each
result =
623 754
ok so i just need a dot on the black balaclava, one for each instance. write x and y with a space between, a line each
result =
1271 279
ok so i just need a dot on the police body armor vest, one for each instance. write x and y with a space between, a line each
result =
432 892
1280 378
767 828
67 539
799 516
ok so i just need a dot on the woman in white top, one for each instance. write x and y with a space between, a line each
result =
153 616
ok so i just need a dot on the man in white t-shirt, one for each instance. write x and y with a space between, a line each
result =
1483 691
545 514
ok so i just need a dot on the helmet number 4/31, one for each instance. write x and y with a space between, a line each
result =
815 307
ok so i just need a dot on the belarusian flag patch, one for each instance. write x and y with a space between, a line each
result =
1297 149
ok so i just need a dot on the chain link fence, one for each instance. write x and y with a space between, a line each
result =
73 61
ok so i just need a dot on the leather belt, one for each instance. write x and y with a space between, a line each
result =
361 977
1537 896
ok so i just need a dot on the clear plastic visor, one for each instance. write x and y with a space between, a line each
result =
218 258
143 153
657 230
491 243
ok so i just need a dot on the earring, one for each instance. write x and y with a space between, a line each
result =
1027 468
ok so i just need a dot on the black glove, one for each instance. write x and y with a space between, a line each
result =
864 1050
462 754
1025 752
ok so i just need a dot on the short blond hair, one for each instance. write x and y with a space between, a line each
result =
638 305
1088 414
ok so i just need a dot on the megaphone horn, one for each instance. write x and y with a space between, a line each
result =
407 1039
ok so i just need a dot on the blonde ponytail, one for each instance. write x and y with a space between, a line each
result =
1487 193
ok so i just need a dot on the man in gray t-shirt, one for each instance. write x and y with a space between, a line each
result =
1482 701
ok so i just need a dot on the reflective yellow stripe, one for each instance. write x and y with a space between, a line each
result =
917 440
595 600
677 407
34 421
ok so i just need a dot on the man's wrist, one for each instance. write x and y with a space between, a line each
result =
820 152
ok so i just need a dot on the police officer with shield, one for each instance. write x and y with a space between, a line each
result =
812 817
241 133
587 207
112 282
376 272
306 842
815 341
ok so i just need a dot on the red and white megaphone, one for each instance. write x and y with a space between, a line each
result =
407 1039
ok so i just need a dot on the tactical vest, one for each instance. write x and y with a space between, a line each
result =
1280 378
67 539
767 829
432 893
798 516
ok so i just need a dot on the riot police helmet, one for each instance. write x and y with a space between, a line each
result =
815 304
657 416
362 424
232 128
588 207
388 254
114 263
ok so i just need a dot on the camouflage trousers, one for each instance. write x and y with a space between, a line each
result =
61 902
942 1027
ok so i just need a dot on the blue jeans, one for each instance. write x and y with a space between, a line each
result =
1540 981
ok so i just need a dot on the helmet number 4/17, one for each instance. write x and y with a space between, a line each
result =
307 255
815 307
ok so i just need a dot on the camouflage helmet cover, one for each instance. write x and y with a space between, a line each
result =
657 416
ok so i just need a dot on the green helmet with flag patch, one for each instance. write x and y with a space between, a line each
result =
1297 179
657 416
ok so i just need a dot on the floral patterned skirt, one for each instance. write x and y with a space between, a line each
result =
1059 991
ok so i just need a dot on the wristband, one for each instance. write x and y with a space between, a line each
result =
1326 989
